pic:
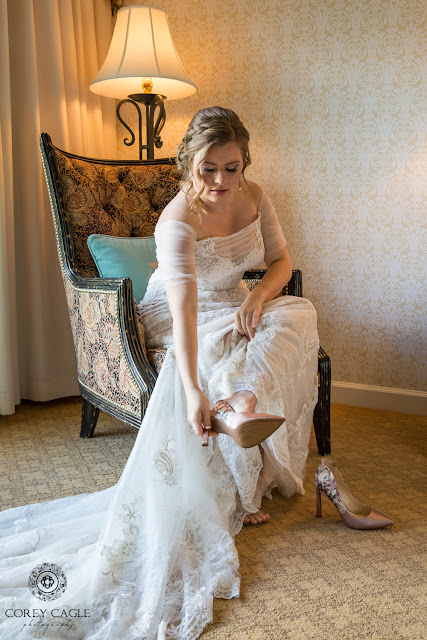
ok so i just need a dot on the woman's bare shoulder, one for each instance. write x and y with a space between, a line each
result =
255 192
177 209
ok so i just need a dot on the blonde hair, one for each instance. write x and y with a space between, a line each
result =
209 127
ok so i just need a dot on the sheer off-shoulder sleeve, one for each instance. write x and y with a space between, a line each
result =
271 230
175 252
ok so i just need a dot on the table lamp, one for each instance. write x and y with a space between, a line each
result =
142 66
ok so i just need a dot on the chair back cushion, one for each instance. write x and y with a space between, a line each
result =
133 258
110 198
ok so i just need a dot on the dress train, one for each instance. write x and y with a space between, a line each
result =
146 557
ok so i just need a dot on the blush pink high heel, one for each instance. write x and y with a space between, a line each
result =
329 482
246 429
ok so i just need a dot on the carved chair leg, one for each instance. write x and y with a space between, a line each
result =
322 411
90 415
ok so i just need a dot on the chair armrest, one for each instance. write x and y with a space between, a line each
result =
111 361
293 288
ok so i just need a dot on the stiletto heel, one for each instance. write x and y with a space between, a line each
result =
246 429
318 504
355 515
205 437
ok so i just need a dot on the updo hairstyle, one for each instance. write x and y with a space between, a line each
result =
209 127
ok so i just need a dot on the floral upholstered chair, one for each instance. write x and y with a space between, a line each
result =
122 198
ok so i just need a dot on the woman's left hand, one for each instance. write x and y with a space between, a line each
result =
247 316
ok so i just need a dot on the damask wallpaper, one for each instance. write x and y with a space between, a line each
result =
334 97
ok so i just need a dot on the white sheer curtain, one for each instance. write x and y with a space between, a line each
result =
49 52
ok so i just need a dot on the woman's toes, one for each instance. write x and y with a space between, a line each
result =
256 518
263 517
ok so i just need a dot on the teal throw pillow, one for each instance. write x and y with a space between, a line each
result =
125 257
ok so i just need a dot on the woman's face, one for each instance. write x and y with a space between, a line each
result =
220 171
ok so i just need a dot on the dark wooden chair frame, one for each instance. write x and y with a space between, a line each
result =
140 366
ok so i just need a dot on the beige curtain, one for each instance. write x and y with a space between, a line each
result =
49 52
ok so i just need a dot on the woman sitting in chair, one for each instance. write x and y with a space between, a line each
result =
240 377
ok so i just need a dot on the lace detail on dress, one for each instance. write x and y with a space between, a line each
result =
165 461
215 270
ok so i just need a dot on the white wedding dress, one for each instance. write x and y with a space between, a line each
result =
144 558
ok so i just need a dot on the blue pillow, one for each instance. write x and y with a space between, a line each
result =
125 257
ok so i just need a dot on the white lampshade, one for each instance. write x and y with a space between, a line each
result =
142 46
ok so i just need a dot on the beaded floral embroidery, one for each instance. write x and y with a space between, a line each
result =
324 481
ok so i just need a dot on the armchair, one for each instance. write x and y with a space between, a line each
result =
123 198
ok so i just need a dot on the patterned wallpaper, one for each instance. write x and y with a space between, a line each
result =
333 94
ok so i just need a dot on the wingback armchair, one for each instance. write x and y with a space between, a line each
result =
122 198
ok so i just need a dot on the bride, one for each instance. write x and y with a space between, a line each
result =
229 419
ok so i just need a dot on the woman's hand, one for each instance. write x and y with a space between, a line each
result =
199 411
248 314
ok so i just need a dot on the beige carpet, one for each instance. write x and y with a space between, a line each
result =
303 578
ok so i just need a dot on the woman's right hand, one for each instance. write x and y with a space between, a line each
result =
198 411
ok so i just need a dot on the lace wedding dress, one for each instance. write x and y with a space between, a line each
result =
144 558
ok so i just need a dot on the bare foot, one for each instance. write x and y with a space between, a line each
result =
256 518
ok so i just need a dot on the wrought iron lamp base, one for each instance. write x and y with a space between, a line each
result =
152 101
